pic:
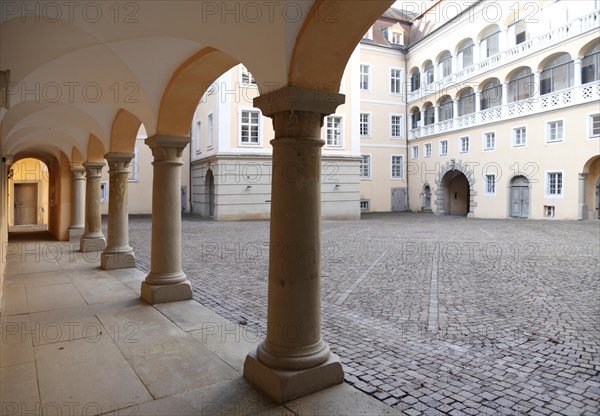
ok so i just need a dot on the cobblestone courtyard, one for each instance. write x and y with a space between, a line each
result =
432 315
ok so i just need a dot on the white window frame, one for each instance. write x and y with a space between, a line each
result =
252 83
392 177
369 34
562 138
547 184
198 137
103 192
590 125
442 153
368 205
369 164
399 35
514 136
210 117
426 146
342 133
400 81
485 144
486 190
241 111
549 209
360 123
400 127
460 144
134 166
361 74
414 154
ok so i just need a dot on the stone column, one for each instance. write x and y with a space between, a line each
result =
577 72
436 114
583 208
422 121
537 85
77 203
118 254
293 360
92 239
166 282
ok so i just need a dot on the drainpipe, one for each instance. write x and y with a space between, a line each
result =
406 121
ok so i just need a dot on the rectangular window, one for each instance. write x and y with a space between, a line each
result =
554 183
595 125
490 46
549 211
211 127
198 136
365 167
554 131
397 168
519 136
134 166
396 38
103 191
333 131
365 77
443 147
464 145
364 204
249 127
489 141
365 124
396 125
427 150
490 184
247 78
520 32
465 57
395 81
415 152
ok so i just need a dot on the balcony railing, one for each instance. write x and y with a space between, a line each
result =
576 27
560 99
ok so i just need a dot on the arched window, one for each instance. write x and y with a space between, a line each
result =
446 110
428 73
590 65
429 114
490 42
466 102
557 74
491 94
415 80
445 65
465 54
521 85
415 117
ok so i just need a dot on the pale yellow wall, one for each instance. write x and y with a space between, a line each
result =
532 161
31 171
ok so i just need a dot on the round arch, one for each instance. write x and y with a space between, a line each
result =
448 172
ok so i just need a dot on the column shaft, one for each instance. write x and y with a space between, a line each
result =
166 282
77 226
583 209
92 239
118 254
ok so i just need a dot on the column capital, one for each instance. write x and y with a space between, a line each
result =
293 98
167 148
8 160
118 162
78 172
93 169
582 176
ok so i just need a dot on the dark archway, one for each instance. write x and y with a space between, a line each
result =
455 190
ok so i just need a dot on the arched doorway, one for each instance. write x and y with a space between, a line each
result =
210 192
519 197
456 193
29 195
589 189
426 202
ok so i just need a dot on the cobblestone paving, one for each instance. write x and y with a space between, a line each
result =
431 315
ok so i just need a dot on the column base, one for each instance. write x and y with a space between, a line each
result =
75 234
113 261
285 385
88 244
154 294
583 212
